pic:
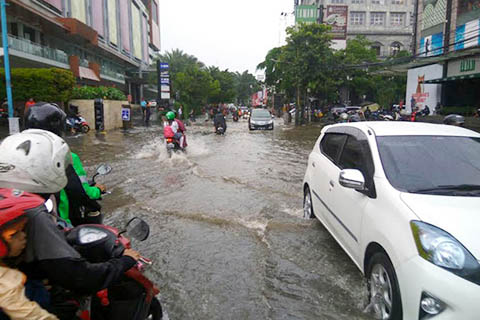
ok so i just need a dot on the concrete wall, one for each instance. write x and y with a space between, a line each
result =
112 112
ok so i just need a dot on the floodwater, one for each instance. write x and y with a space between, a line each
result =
228 238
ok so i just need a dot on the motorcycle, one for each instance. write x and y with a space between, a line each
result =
220 130
77 124
91 213
235 117
134 295
173 146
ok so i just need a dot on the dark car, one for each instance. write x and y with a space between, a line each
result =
260 119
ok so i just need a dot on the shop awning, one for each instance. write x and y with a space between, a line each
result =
455 78
87 73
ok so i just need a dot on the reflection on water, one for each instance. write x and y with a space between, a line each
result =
227 235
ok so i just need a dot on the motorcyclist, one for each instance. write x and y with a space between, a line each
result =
454 120
175 129
36 161
219 121
75 205
14 206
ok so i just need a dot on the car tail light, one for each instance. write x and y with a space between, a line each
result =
169 140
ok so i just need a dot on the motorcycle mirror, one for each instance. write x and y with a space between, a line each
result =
103 169
138 229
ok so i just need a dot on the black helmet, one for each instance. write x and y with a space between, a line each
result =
454 120
46 116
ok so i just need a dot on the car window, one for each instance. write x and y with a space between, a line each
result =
356 155
331 145
353 155
260 113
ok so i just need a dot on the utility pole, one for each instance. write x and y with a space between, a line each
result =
13 123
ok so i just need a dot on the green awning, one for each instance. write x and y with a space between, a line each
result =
454 78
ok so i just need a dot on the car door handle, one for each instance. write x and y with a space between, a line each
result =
313 164
332 184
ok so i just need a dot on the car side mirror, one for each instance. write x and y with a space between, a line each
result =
352 179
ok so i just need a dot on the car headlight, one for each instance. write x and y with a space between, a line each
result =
443 250
270 121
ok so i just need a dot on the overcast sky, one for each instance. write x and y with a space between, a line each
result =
233 34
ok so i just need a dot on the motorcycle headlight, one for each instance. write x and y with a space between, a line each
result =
90 235
443 250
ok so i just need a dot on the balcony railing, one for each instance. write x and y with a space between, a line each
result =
26 46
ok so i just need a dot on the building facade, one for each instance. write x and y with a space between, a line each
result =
447 54
103 42
388 24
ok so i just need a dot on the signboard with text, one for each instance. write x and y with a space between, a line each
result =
306 14
337 18
423 93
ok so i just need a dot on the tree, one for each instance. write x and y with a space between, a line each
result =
245 86
305 62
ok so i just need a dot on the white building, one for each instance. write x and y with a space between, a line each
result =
388 24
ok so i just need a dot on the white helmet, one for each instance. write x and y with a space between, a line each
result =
344 116
34 161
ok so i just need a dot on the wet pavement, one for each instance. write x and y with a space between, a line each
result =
228 238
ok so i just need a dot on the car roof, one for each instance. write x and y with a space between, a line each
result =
406 128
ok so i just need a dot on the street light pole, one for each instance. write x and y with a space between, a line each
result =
12 122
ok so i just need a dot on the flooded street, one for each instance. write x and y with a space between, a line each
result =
228 238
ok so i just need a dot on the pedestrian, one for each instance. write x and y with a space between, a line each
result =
413 104
28 104
180 112
143 105
438 107
148 112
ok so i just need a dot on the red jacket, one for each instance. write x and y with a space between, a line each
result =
181 126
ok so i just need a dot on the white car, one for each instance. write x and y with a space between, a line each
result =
403 200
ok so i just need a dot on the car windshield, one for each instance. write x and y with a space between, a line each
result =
261 114
444 165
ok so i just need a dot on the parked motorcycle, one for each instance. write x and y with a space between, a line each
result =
134 296
77 124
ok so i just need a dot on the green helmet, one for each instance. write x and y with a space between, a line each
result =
170 115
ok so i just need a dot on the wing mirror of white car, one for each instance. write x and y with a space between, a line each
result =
353 179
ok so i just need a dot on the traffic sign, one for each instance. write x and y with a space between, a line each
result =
164 66
165 81
125 114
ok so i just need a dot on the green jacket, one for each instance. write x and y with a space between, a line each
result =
92 192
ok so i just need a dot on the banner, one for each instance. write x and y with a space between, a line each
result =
337 18
432 45
423 94
306 14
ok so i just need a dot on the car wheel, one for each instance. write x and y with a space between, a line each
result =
307 205
385 299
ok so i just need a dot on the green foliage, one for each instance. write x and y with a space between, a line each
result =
53 84
308 63
464 111
107 93
194 85
304 62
